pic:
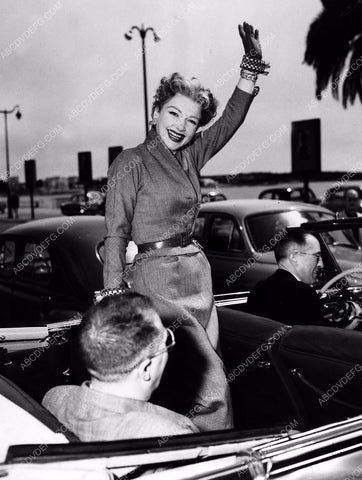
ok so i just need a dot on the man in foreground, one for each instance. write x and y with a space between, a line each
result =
125 350
286 296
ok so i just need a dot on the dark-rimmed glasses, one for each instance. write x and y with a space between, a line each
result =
170 343
317 255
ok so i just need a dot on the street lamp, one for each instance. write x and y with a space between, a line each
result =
143 32
18 116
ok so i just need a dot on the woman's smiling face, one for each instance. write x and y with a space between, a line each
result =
177 121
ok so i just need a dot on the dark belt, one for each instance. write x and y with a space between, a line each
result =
179 241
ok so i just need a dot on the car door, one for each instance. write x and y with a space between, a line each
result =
33 286
226 251
7 263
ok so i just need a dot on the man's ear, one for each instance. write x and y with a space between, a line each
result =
293 257
145 370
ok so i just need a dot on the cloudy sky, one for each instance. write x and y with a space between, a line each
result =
78 81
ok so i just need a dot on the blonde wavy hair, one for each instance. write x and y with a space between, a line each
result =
189 87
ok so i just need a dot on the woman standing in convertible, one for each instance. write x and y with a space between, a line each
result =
153 198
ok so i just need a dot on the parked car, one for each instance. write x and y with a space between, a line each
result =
50 268
238 237
91 203
213 196
210 192
296 194
333 198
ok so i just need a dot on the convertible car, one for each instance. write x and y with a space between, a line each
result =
297 391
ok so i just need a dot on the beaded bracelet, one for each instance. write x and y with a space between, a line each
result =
255 65
107 292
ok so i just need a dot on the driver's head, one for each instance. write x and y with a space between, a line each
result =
300 254
351 202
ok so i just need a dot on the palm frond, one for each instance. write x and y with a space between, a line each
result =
352 85
329 42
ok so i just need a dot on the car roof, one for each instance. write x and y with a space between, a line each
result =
75 244
72 226
245 207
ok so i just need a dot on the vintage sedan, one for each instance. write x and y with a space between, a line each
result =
238 237
295 194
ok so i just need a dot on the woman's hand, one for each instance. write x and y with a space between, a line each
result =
250 38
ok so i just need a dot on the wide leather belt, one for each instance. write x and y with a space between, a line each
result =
179 241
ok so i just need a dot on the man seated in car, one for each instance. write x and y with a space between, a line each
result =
287 295
125 349
351 206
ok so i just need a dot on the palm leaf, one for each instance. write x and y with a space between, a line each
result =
331 37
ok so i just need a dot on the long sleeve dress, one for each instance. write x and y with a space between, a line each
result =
155 195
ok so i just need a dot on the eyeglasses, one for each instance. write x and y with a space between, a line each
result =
317 255
170 343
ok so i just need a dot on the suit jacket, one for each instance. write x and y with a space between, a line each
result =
94 415
283 298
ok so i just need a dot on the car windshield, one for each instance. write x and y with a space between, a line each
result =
265 229
346 253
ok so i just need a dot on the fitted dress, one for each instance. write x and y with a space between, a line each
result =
155 195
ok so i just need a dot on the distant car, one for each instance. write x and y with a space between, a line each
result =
210 192
232 232
213 196
92 203
295 194
333 198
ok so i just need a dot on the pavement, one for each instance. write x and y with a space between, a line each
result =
24 215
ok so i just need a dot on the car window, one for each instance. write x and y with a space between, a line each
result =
267 195
337 195
264 230
7 257
198 228
35 263
224 235
295 195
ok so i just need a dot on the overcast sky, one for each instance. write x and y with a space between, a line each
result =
78 81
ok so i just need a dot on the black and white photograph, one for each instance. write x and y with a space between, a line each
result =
180 239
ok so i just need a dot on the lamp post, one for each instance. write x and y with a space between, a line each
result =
18 116
143 32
